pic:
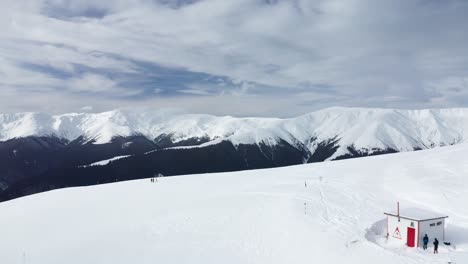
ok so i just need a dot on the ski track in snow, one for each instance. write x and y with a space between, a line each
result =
261 216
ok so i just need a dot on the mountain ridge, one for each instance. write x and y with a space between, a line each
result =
44 152
360 128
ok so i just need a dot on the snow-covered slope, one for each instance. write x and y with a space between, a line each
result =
361 129
107 161
316 213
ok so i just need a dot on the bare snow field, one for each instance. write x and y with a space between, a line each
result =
329 212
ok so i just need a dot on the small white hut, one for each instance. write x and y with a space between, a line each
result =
409 226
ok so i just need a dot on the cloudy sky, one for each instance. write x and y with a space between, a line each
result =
237 57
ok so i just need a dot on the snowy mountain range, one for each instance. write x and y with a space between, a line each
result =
401 130
41 151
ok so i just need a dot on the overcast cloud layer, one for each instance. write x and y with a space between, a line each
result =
238 57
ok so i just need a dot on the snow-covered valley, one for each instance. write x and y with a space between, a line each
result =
315 213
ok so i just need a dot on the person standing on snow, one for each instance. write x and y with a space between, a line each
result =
436 246
425 241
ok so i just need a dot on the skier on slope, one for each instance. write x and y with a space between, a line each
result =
425 241
436 246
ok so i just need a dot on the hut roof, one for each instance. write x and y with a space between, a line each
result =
417 214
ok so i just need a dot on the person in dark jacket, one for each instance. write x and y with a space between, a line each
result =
425 241
436 246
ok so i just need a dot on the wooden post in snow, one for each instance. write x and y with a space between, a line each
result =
398 211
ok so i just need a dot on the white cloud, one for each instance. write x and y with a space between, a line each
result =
193 91
391 53
87 108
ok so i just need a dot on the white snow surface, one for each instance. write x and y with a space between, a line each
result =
402 130
107 161
329 212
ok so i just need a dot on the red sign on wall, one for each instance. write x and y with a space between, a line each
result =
397 233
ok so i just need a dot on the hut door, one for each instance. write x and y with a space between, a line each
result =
411 237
